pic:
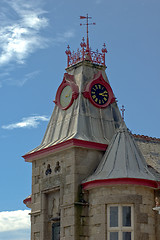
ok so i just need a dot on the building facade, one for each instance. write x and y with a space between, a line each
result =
91 178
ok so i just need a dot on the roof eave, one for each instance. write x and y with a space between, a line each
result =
121 181
63 145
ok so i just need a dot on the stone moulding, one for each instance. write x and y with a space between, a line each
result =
50 183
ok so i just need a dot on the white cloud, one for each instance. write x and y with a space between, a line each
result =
21 81
27 77
6 77
29 122
14 220
63 37
21 33
20 36
98 1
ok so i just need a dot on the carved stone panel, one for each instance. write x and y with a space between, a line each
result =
51 182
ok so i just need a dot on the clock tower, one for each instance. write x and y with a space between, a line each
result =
87 168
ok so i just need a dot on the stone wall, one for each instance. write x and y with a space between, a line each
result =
56 191
56 195
142 198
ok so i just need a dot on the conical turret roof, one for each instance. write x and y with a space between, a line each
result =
123 162
82 120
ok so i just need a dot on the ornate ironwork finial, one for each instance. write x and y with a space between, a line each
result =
104 51
88 55
68 53
85 53
83 45
123 110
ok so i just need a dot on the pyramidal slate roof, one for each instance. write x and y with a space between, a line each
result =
82 121
123 160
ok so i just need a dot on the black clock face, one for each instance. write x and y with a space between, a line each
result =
99 94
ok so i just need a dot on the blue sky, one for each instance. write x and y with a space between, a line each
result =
34 35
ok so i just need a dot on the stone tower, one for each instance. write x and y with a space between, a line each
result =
89 179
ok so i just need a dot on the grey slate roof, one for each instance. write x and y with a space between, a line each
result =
82 120
123 159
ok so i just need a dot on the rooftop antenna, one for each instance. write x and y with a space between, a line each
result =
88 55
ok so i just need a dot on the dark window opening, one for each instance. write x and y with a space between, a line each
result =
56 231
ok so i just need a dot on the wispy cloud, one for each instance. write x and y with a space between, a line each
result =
29 122
20 33
24 29
98 1
14 220
5 78
63 37
28 76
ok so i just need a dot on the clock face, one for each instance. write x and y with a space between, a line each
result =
99 94
66 96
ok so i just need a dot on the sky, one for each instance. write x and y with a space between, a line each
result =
34 35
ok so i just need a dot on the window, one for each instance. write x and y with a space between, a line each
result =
120 222
56 231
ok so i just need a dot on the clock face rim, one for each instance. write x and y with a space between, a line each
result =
98 79
63 96
68 80
103 94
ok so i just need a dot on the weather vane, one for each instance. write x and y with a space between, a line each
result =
87 24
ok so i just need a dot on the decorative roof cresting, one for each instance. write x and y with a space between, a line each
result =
85 53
